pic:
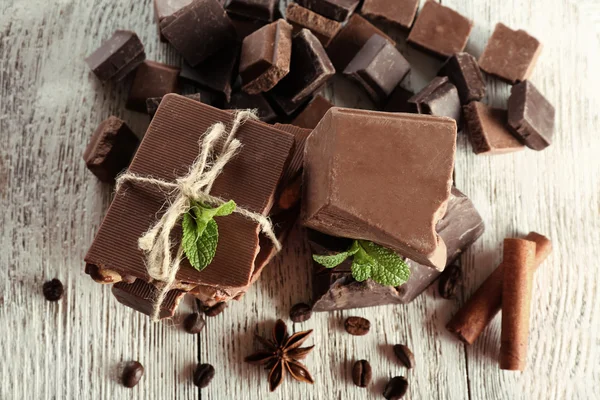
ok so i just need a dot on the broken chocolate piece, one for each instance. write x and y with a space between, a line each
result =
140 296
165 9
266 57
398 100
439 98
313 113
510 55
530 116
335 289
263 10
378 68
337 10
351 38
199 30
373 194
487 130
110 150
440 30
243 101
284 106
152 79
245 27
400 13
463 71
117 56
323 28
152 103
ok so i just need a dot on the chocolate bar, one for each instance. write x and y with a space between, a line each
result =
440 30
110 150
510 55
313 113
399 13
244 101
335 289
323 28
439 98
356 186
152 79
487 130
266 56
378 68
463 71
351 38
398 101
117 56
530 116
337 10
152 103
263 10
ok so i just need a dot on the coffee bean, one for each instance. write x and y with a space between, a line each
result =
132 373
53 290
357 326
362 373
194 323
450 280
300 312
396 388
215 310
405 356
203 375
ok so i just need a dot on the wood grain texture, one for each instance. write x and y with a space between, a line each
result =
52 206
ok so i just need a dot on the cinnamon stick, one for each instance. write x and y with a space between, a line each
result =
519 257
486 302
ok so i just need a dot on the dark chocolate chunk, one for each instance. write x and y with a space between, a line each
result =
245 27
132 373
110 149
400 13
323 28
440 30
310 117
439 98
117 57
266 56
199 30
152 103
152 79
398 100
463 71
530 116
140 296
337 10
165 9
284 106
263 10
351 38
243 101
510 55
378 68
53 290
488 131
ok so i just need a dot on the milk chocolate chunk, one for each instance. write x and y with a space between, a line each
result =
378 68
110 150
243 101
265 58
263 10
488 131
351 38
439 98
530 116
398 101
463 71
335 289
337 10
117 56
152 103
510 55
313 113
310 68
440 30
152 79
199 30
356 194
400 13
324 29
140 296
169 148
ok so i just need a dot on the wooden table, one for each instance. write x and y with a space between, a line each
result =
51 207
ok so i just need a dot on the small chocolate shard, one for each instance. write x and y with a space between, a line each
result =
463 71
487 130
531 116
337 10
262 10
152 79
323 28
117 57
439 98
310 117
399 13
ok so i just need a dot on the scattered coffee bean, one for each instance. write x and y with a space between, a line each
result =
450 280
132 373
215 310
357 326
300 312
396 388
362 373
405 356
203 375
53 290
194 323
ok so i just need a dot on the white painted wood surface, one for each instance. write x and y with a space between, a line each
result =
51 207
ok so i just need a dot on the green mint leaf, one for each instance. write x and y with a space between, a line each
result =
190 239
207 245
334 260
379 264
225 209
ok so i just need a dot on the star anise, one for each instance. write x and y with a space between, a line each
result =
281 354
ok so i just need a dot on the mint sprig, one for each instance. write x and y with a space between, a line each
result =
201 233
370 261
